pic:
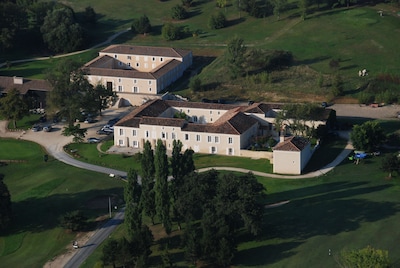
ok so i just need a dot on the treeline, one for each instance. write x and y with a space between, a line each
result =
208 210
33 26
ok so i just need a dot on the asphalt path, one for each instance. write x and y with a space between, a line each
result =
84 251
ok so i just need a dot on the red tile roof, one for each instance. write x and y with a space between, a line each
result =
294 143
7 83
147 51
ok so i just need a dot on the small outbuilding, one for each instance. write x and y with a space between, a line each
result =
291 155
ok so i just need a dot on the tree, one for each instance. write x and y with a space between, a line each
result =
367 136
217 21
147 199
76 131
161 185
279 6
74 220
338 87
141 25
68 97
170 32
61 32
367 257
195 84
5 205
133 210
90 15
110 252
234 56
187 3
140 246
303 6
390 164
13 106
178 12
99 98
12 19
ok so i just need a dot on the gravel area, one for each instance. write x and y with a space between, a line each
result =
356 110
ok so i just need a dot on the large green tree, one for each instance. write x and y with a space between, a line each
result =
133 209
12 19
390 163
162 196
141 25
99 98
235 56
5 205
13 106
68 97
61 32
148 171
367 136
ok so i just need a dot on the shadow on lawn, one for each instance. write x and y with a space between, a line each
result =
326 209
37 214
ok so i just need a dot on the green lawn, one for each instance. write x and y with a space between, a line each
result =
40 194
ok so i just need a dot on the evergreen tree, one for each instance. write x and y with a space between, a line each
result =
161 186
133 210
148 170
141 25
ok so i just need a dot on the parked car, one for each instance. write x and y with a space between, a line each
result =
104 132
93 140
47 128
113 121
89 120
36 128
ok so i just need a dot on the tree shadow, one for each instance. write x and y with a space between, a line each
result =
37 214
327 209
311 61
230 23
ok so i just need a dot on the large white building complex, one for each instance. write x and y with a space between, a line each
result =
138 73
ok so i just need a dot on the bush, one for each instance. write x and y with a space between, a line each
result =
141 25
217 21
170 32
178 12
195 84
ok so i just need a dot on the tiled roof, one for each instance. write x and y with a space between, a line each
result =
118 73
261 108
7 83
294 143
232 122
147 51
201 105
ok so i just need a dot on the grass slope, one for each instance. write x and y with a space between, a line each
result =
41 193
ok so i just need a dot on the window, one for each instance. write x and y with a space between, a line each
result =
187 137
109 85
209 138
210 112
162 135
161 59
173 135
194 118
147 133
197 137
154 59
115 56
119 88
120 142
230 151
120 63
135 89
129 57
213 150
135 144
119 80
230 140
134 132
129 64
137 64
134 81
216 139
149 82
149 89
121 131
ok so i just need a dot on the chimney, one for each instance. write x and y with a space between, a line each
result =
281 138
18 80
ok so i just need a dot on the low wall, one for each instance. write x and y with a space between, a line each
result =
256 154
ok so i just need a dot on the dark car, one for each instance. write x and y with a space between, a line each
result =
36 128
93 140
104 132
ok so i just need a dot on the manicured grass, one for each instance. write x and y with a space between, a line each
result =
40 194
25 123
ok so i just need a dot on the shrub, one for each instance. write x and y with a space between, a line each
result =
141 25
195 84
217 21
178 12
170 32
